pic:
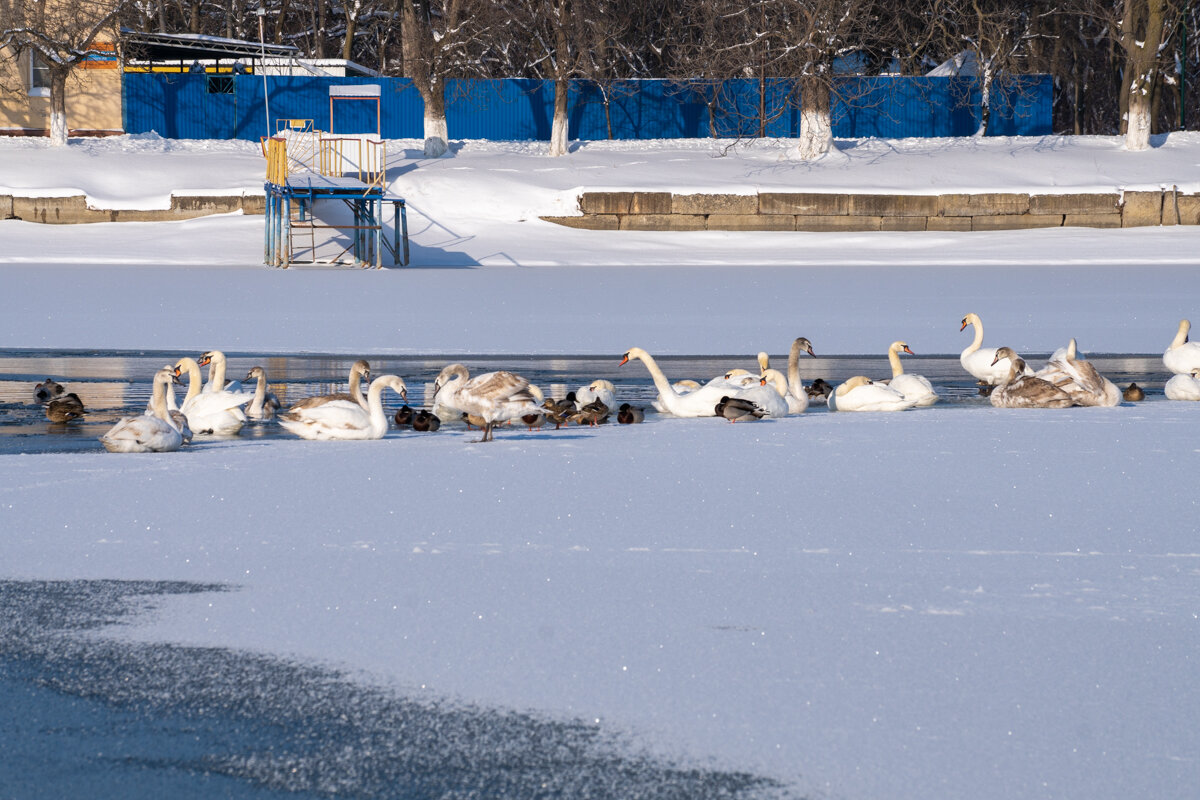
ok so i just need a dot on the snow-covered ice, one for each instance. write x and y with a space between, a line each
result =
940 603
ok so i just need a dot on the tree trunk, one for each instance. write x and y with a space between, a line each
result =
816 125
352 11
58 107
985 98
1141 35
558 129
415 40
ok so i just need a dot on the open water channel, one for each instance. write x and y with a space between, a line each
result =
115 384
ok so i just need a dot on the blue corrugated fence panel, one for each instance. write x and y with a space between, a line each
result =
220 107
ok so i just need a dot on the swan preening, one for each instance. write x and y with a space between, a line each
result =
1079 379
1182 356
1184 387
153 432
493 397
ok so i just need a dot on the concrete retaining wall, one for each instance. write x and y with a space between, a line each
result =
71 210
811 211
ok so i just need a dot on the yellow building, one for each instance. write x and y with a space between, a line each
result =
93 96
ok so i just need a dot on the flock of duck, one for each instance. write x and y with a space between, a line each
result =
496 398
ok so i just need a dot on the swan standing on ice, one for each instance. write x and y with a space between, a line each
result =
1182 356
913 387
1020 390
981 361
148 433
493 397
861 394
217 412
265 404
1079 379
345 419
1184 387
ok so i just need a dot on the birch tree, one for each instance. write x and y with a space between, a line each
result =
1143 26
61 33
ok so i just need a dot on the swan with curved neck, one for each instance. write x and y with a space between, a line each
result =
217 412
345 419
700 402
860 393
265 404
796 388
149 433
493 397
913 387
1020 390
360 371
1184 387
1182 356
981 361
216 362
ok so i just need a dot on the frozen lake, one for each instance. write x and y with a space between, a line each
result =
113 384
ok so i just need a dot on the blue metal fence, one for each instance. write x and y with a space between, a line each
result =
184 106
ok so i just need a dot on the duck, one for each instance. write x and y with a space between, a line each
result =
1184 387
360 371
495 397
65 408
630 415
600 389
1019 390
860 393
218 412
819 389
265 404
404 416
147 433
216 363
1133 393
558 411
593 414
1182 356
981 361
1078 378
426 421
913 387
698 402
345 420
735 408
46 391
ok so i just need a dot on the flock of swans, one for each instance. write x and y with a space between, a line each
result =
496 398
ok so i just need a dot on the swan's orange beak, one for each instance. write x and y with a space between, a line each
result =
762 381
963 327
204 361
624 360
910 352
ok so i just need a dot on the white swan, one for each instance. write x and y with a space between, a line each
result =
1182 356
216 363
345 419
860 394
700 402
981 361
265 404
1184 387
1020 390
218 412
797 394
1079 379
493 397
148 433
359 371
681 387
773 380
600 389
913 387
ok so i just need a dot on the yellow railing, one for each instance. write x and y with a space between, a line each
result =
277 161
363 159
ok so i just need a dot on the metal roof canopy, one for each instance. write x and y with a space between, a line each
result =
182 46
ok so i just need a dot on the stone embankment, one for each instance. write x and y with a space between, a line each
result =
74 209
811 211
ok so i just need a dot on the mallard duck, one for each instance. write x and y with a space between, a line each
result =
630 415
818 389
1133 394
404 416
593 414
426 421
559 410
734 408
66 408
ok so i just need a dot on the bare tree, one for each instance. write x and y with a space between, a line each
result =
61 34
1143 28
